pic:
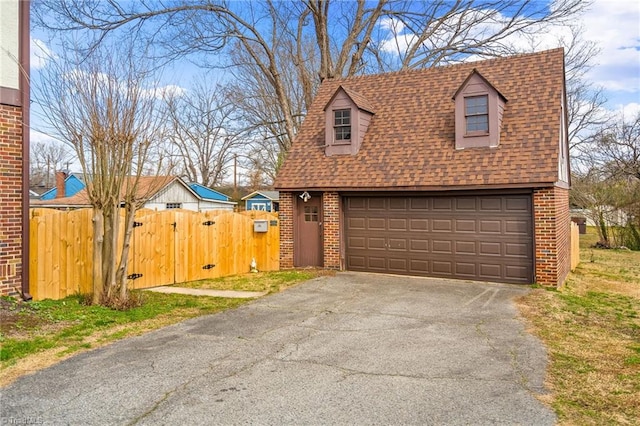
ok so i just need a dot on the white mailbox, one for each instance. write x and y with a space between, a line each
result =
260 225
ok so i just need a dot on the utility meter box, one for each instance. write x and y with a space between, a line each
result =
260 225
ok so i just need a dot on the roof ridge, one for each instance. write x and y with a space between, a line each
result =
444 67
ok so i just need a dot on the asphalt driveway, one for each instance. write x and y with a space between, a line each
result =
350 349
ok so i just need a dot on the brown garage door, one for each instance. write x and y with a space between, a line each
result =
487 237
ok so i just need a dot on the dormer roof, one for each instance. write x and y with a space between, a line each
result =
487 82
360 101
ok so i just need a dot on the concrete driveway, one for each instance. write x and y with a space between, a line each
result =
350 349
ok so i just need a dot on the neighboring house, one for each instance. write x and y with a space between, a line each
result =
262 200
71 182
161 193
14 147
459 171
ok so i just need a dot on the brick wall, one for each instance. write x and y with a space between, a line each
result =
286 230
552 235
10 199
331 229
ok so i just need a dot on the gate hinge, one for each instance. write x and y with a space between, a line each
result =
209 266
136 224
134 276
208 223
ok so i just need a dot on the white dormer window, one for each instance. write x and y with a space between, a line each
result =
476 113
342 125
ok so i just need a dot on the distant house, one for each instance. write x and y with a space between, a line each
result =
160 193
72 183
263 200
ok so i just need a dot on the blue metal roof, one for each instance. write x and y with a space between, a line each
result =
72 185
208 193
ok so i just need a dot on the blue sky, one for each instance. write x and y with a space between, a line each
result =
614 25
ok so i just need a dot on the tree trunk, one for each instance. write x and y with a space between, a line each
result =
121 275
98 240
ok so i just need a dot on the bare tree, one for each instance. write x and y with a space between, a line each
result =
101 106
609 190
347 38
201 134
46 159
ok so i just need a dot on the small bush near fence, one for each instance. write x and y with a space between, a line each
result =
167 247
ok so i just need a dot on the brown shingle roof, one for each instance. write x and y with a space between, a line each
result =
410 141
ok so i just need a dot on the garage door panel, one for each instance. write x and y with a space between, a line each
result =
491 204
419 267
471 237
376 223
398 224
398 265
441 225
466 247
398 204
515 272
518 204
490 271
466 204
442 267
397 244
440 246
377 263
517 250
418 204
466 269
357 223
490 249
466 225
490 226
376 243
442 204
419 245
520 227
419 225
356 243
377 203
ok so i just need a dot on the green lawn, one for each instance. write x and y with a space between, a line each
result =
591 328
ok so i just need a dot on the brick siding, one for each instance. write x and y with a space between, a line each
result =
331 229
552 235
10 199
286 230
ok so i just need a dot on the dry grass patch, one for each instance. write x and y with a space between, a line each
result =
591 328
271 282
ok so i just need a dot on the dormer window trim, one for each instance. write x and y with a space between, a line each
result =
342 122
476 115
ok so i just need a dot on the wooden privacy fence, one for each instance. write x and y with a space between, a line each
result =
575 245
167 247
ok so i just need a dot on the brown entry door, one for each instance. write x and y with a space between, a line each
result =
308 232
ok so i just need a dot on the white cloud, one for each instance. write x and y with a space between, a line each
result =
628 111
40 54
36 136
615 26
